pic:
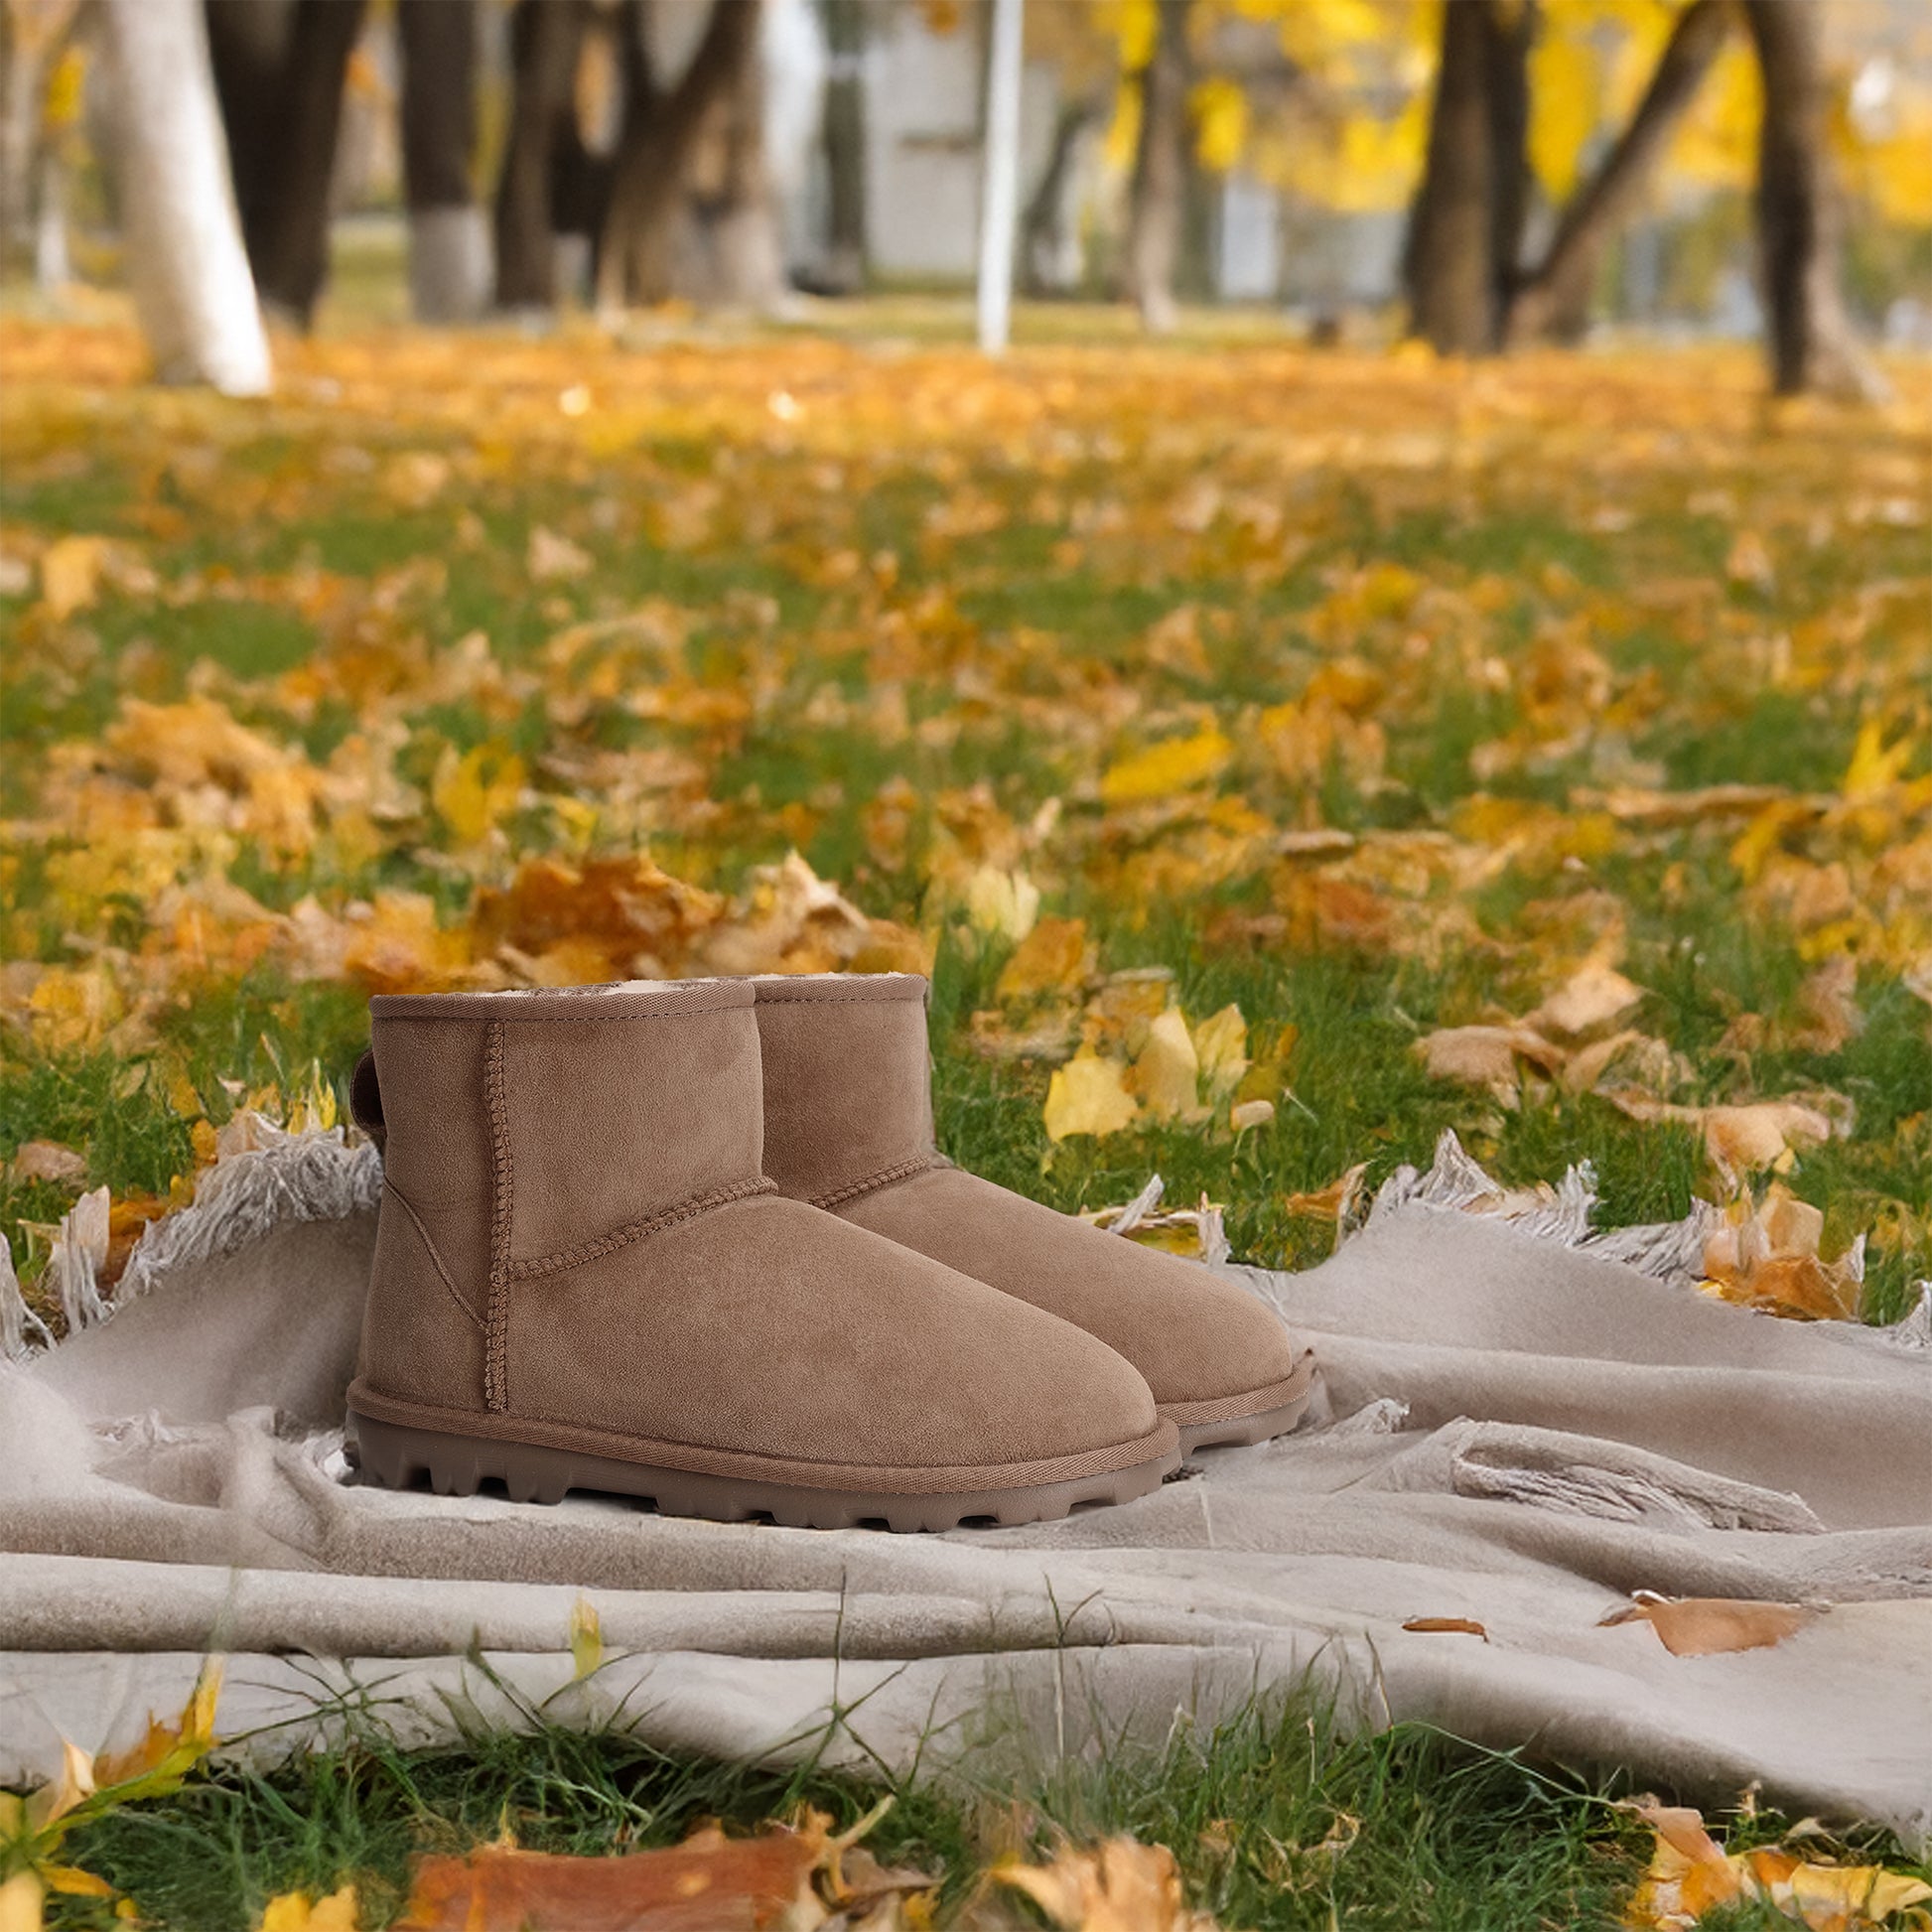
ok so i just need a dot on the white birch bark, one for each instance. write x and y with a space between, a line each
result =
186 263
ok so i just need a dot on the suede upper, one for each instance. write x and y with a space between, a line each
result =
849 1125
576 1233
847 1097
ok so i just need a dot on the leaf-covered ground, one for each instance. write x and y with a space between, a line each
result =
1278 757
1543 750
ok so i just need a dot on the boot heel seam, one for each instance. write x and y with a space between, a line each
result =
898 1171
561 1259
501 1183
436 1260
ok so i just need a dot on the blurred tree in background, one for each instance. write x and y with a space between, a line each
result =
1493 172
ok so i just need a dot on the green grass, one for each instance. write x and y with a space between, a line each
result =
1019 660
1277 1822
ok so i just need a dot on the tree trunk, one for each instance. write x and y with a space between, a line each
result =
249 43
1555 301
845 146
280 73
1506 66
291 251
186 260
545 36
449 244
1160 173
1465 228
1810 335
1044 240
717 95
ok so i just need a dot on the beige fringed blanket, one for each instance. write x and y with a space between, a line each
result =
1521 1427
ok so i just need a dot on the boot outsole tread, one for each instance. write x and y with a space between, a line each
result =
1243 1432
396 1456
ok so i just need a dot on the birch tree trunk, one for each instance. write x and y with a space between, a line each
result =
186 262
1555 301
1810 335
1159 174
449 270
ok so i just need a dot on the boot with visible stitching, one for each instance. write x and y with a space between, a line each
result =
583 1278
848 1127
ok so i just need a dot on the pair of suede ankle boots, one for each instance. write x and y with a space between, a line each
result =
691 1241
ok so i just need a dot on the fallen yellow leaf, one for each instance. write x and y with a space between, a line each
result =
1221 1047
586 1639
70 575
1088 1095
1176 764
1054 957
1690 1874
1166 1071
1121 1886
297 1911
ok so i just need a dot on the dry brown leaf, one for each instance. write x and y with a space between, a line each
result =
1048 1036
553 557
1486 1057
1660 809
1332 1203
1126 1007
1745 1138
48 1161
1122 1885
1056 957
1701 1626
1594 997
1766 1256
789 1878
1464 1626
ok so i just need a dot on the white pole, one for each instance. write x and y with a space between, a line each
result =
1000 185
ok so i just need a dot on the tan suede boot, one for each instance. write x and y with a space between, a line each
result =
848 1127
582 1280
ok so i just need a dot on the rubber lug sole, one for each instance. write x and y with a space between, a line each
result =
399 1456
1242 1431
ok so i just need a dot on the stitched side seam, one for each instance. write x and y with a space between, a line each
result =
684 1210
496 1329
900 1171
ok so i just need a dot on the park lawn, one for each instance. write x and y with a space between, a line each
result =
1363 695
